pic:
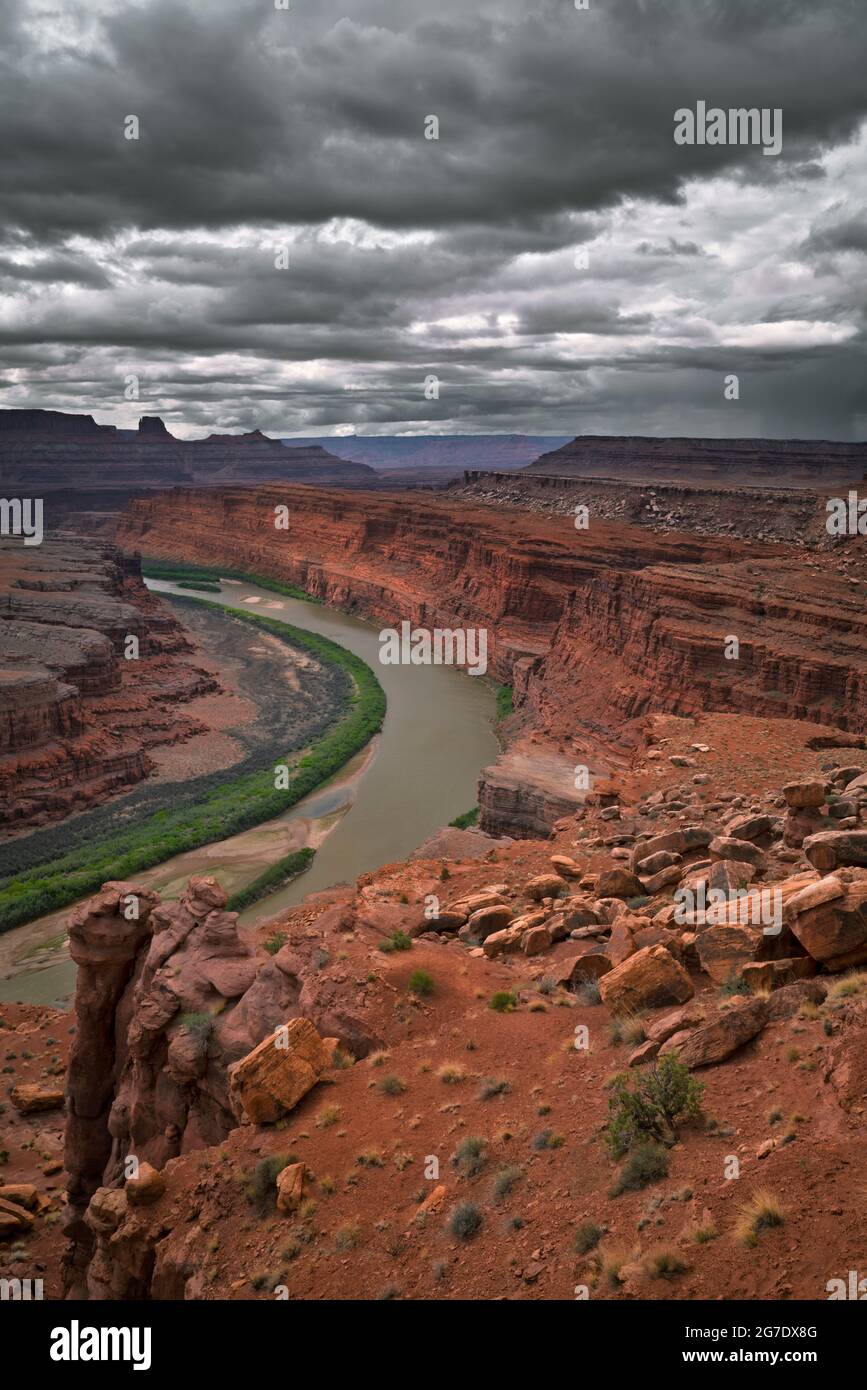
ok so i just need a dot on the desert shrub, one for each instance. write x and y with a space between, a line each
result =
493 1087
398 941
505 1180
451 1074
370 1158
733 984
586 1238
647 1163
464 821
347 1237
465 1220
848 986
547 1139
503 1002
421 983
762 1212
200 1025
664 1263
262 1184
469 1157
587 990
663 1094
391 1085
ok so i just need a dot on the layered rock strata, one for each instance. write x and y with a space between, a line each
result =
76 716
594 628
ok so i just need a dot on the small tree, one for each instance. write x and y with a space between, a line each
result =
664 1094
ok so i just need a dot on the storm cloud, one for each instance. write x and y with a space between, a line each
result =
554 258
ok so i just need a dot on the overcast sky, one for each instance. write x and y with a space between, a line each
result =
305 129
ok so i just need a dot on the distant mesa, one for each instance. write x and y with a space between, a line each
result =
87 472
153 426
734 462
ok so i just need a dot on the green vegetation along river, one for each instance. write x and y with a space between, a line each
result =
416 776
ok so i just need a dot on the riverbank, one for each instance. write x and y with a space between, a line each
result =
407 783
226 808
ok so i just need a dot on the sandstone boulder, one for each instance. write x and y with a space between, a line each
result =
544 886
749 827
569 973
488 919
726 847
15 1219
269 1082
654 863
619 883
30 1099
650 978
675 841
831 848
786 1001
147 1188
504 942
766 975
714 1042
723 951
290 1188
832 925
566 867
804 794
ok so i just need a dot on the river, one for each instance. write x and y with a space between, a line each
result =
416 776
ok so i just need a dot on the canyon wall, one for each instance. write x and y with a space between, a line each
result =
77 717
595 628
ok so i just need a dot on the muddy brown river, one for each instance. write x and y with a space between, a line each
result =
418 774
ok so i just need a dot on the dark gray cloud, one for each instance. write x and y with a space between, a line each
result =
304 129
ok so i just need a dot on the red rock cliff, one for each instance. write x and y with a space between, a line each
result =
76 718
595 627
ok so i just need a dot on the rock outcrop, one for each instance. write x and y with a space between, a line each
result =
169 999
76 717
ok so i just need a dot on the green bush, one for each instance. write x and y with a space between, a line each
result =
503 1002
276 876
469 1157
464 821
398 941
647 1163
465 1220
663 1094
421 983
586 1238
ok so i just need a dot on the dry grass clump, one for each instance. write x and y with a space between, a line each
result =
762 1212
